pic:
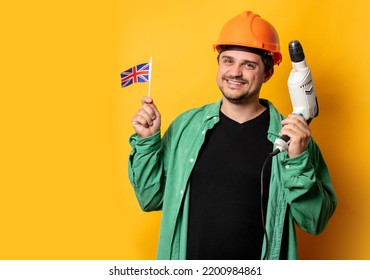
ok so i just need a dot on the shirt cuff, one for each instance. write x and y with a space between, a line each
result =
145 145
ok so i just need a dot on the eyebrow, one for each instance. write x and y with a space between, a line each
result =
244 60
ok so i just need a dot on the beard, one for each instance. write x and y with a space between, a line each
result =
242 98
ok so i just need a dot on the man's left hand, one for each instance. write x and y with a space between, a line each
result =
296 127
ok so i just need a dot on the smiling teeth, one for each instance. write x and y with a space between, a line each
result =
235 83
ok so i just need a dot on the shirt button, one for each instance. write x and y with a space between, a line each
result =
287 166
181 192
203 132
191 160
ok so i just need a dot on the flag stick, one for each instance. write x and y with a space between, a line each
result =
150 74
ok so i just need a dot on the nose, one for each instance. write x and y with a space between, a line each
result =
236 70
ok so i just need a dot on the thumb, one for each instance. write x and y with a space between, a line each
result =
146 100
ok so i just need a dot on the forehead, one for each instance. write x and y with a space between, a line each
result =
241 55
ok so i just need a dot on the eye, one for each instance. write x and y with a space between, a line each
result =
250 66
227 61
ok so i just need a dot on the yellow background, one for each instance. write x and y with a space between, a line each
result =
65 121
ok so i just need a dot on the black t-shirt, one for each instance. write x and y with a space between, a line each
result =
225 191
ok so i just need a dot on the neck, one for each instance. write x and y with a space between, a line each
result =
242 112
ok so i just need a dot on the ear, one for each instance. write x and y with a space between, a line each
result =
268 74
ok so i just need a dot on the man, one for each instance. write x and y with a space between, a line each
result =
205 173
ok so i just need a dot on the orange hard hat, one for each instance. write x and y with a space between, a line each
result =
250 30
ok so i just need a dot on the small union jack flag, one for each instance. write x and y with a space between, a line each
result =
137 74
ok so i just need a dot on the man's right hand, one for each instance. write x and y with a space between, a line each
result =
147 120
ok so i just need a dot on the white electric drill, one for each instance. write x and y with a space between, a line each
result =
302 91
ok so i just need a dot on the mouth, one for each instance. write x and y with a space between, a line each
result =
235 83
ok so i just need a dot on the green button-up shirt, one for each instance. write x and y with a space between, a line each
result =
300 193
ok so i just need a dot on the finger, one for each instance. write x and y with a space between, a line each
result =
296 133
295 121
294 118
150 110
148 104
143 118
296 126
139 121
146 100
